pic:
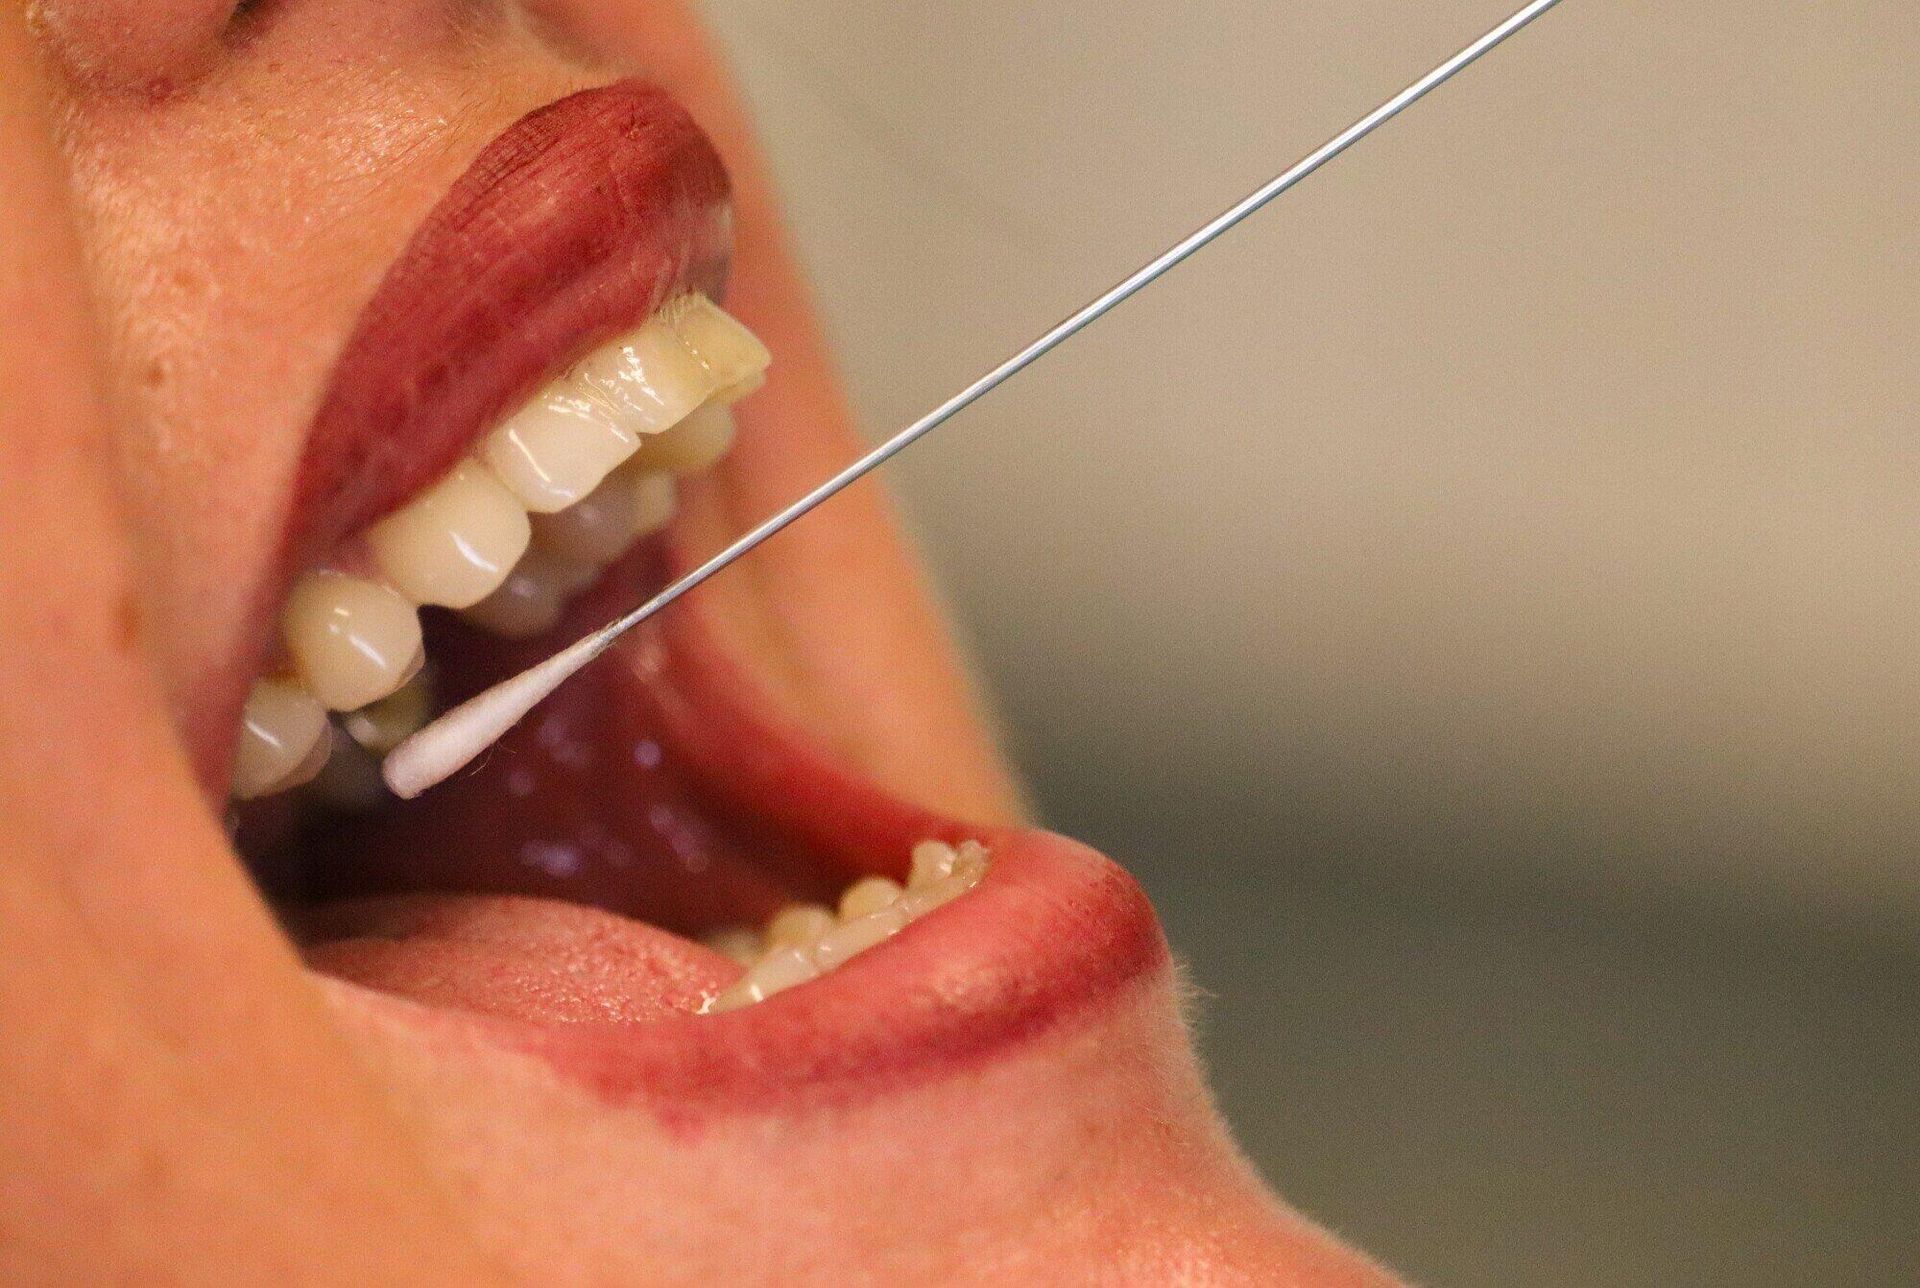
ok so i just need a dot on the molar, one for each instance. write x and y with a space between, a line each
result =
557 448
693 445
630 504
529 602
280 726
381 725
352 641
350 782
776 972
742 943
869 894
799 924
455 542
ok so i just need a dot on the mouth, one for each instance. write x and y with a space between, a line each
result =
662 883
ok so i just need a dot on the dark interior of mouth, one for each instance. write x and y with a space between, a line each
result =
588 801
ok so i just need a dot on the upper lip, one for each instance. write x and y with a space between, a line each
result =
575 222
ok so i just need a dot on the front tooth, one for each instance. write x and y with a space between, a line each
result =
869 894
693 445
353 641
455 542
778 971
380 726
280 725
557 448
531 599
799 924
651 376
733 354
598 528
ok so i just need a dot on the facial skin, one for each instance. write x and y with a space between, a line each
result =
199 203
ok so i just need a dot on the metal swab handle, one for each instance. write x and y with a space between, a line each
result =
443 747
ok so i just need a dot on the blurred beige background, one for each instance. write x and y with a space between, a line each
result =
1479 597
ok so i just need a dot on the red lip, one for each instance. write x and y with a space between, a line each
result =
576 222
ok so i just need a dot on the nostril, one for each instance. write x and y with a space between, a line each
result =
153 47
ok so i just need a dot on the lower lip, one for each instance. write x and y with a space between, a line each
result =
1054 937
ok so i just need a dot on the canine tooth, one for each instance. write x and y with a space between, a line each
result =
723 345
650 376
693 445
857 935
531 599
556 449
741 943
352 640
279 727
455 542
932 861
799 924
778 971
596 529
350 780
379 726
869 894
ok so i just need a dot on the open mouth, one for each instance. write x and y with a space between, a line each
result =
659 881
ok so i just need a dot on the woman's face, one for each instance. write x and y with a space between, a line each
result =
307 305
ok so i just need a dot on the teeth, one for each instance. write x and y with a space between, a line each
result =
350 781
455 542
381 725
469 542
742 943
630 504
799 923
935 860
557 448
870 894
778 971
732 355
804 940
693 445
650 376
857 935
353 641
532 598
280 727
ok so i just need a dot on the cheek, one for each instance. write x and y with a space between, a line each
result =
151 45
233 232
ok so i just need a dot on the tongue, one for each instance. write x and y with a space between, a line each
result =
509 955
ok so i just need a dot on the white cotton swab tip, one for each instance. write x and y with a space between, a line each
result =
449 744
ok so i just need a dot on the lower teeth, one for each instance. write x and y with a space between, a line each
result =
804 941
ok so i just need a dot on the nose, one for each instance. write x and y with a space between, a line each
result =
160 48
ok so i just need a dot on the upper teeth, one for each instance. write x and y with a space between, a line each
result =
573 457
